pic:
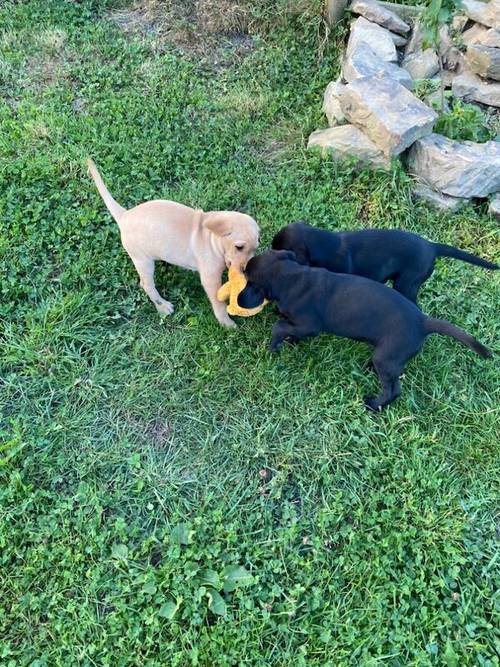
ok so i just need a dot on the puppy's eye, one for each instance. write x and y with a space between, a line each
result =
239 247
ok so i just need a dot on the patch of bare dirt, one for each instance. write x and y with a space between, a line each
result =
210 29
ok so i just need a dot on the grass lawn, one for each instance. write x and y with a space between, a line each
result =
170 493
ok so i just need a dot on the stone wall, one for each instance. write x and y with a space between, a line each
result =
374 116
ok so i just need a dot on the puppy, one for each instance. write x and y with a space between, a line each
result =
174 233
378 254
313 300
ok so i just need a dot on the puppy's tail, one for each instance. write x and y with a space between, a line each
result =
446 328
443 250
113 206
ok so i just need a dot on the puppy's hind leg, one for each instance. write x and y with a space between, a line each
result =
388 371
409 285
145 267
283 330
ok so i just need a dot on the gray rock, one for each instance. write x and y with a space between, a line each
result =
484 60
416 39
473 34
487 13
398 39
448 74
379 39
494 205
472 87
459 22
438 200
459 169
406 12
362 61
445 41
390 115
491 38
331 103
422 64
348 141
373 11
453 59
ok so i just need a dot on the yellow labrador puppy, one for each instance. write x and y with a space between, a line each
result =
174 233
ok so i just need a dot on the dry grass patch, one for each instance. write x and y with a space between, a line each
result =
197 25
243 102
280 143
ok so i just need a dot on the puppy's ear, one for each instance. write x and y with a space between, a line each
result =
217 222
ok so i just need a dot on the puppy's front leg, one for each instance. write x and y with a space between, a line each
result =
211 283
283 330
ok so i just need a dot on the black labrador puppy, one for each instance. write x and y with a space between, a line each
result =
312 300
378 254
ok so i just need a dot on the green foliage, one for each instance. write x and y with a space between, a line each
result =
170 494
435 14
465 122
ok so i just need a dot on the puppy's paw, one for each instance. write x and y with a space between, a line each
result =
275 345
372 404
228 322
165 308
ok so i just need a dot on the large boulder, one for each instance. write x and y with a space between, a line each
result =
438 200
347 141
484 60
487 13
378 39
472 87
373 11
459 169
331 103
363 61
387 112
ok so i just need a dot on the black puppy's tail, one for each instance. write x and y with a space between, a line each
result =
446 328
443 250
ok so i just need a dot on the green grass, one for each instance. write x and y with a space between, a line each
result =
170 494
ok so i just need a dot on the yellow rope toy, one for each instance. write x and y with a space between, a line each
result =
230 290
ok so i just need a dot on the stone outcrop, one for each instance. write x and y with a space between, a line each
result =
486 13
437 199
460 169
387 112
473 88
422 64
362 61
374 116
348 141
376 13
378 39
484 60
331 103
